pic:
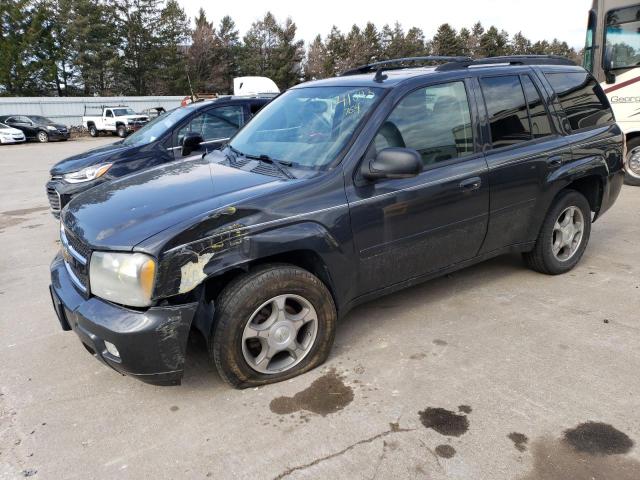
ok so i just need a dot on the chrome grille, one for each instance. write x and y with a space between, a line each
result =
54 198
76 259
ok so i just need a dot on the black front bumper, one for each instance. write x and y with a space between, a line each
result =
151 343
58 135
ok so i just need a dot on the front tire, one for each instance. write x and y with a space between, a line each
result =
42 136
121 131
270 325
93 131
564 235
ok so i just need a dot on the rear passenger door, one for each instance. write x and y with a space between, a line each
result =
405 228
522 148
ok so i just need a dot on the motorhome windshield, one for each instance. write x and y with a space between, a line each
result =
307 127
622 36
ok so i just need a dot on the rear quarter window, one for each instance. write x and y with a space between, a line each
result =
582 99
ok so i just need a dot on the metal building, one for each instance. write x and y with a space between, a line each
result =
69 110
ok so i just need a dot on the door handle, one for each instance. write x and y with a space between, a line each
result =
470 184
555 161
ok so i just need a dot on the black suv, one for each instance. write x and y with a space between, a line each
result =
36 127
337 192
176 135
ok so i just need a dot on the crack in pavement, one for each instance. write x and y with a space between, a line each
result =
393 428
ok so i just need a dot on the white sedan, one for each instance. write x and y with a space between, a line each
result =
11 135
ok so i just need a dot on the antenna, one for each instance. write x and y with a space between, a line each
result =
190 87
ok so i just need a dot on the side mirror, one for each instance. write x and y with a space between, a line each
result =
607 65
191 142
393 163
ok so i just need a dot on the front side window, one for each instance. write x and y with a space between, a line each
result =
434 120
216 124
622 36
540 124
109 114
581 98
308 126
507 110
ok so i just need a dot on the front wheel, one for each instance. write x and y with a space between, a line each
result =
564 235
121 131
271 325
42 137
93 131
632 163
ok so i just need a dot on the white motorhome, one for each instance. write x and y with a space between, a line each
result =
612 54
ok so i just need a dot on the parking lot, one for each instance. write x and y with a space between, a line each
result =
494 372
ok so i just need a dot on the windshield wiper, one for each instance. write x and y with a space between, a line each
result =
279 164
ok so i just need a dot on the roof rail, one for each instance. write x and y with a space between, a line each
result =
507 60
378 67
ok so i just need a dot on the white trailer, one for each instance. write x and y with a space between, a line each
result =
612 54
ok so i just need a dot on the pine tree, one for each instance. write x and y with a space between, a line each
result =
520 45
464 40
494 43
227 47
172 34
316 64
477 31
446 41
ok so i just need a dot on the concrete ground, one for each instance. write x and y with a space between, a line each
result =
494 372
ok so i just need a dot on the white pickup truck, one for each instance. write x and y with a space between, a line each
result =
119 120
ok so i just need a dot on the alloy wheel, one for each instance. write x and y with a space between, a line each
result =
279 334
567 233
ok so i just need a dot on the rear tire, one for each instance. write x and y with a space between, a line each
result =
248 326
558 248
42 136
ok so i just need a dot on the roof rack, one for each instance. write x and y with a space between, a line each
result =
456 63
379 66
507 60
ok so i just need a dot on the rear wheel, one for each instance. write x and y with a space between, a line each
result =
564 235
632 163
93 131
271 325
42 136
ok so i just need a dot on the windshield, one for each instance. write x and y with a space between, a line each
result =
40 120
157 127
587 57
121 112
622 35
307 127
4 127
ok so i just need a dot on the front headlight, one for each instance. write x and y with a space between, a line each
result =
86 174
51 127
125 278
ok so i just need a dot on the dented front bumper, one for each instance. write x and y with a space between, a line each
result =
151 344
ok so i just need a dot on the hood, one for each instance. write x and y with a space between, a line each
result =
119 215
10 130
91 157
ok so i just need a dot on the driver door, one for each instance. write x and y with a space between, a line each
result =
216 126
409 227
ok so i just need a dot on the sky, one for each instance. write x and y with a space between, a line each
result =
537 19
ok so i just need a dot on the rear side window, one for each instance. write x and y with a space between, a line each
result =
507 110
583 101
540 124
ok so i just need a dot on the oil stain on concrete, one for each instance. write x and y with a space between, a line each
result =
519 440
590 451
443 421
445 451
327 394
